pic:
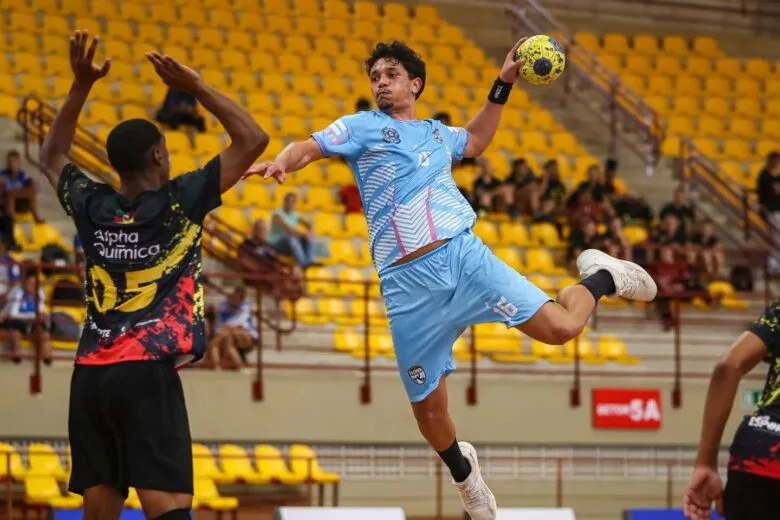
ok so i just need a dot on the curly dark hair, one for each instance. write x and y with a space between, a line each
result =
403 54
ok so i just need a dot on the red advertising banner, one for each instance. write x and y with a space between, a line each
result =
627 408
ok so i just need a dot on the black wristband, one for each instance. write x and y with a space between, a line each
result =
499 94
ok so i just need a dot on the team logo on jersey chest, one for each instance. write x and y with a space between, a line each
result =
437 136
391 135
120 217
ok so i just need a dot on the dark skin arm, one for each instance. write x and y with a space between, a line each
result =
56 146
705 486
247 139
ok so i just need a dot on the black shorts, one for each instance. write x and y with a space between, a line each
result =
128 427
751 497
25 327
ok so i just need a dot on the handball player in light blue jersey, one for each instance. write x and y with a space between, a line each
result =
436 277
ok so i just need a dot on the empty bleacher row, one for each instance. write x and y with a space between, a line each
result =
729 107
44 472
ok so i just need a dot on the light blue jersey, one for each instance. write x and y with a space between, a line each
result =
404 172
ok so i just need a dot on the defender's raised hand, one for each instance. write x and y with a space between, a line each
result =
81 56
177 76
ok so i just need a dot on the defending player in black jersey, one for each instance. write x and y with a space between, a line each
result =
753 485
128 421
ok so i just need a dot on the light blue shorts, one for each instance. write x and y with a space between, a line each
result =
433 299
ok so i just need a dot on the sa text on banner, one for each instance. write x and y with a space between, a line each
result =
627 408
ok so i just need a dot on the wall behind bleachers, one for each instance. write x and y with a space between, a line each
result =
323 407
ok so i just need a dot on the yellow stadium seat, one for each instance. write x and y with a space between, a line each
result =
638 64
486 231
180 35
33 85
658 103
356 226
645 44
25 63
451 34
708 147
728 295
747 87
545 351
675 45
771 128
514 233
252 21
181 163
280 23
668 65
494 338
236 466
319 198
204 465
581 346
716 107
298 45
611 61
758 68
233 59
351 283
535 142
617 43
396 12
716 86
335 310
271 465
745 128
221 19
162 13
511 257
21 21
43 460
636 234
634 82
734 170
710 127
564 143
304 464
150 33
426 14
366 10
27 42
772 108
540 260
698 66
423 34
328 225
687 85
194 17
772 87
545 234
44 234
443 54
680 126
319 65
588 41
543 283
765 146
737 149
240 41
393 31
17 469
235 218
342 252
208 496
729 67
255 194
748 107
43 490
348 340
686 106
707 46
335 27
59 25
320 281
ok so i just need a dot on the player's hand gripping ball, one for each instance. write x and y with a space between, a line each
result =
544 59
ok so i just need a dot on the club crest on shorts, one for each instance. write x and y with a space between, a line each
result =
391 135
437 136
417 374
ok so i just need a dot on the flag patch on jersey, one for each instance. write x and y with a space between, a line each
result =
337 132
120 217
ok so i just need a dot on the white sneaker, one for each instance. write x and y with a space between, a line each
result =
631 281
478 500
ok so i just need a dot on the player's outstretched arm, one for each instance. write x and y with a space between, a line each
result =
56 146
705 486
247 139
294 157
483 127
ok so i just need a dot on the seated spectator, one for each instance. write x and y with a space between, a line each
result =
181 108
670 275
681 209
287 239
671 234
235 330
18 317
9 271
520 190
551 188
592 185
486 189
588 209
613 187
362 105
257 256
709 250
768 190
580 240
20 192
350 196
614 241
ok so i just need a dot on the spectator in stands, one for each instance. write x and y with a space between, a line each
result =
614 241
181 108
486 189
592 185
581 239
235 330
20 192
709 250
9 271
768 190
285 236
670 275
588 209
551 188
18 317
671 234
681 209
362 105
612 186
349 196
257 256
520 190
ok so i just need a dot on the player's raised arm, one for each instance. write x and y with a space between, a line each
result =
483 127
56 146
247 139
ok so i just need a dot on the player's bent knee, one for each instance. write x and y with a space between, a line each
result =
176 514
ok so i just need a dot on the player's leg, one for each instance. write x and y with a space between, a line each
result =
94 451
157 447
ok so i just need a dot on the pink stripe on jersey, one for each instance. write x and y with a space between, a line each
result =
395 227
429 216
